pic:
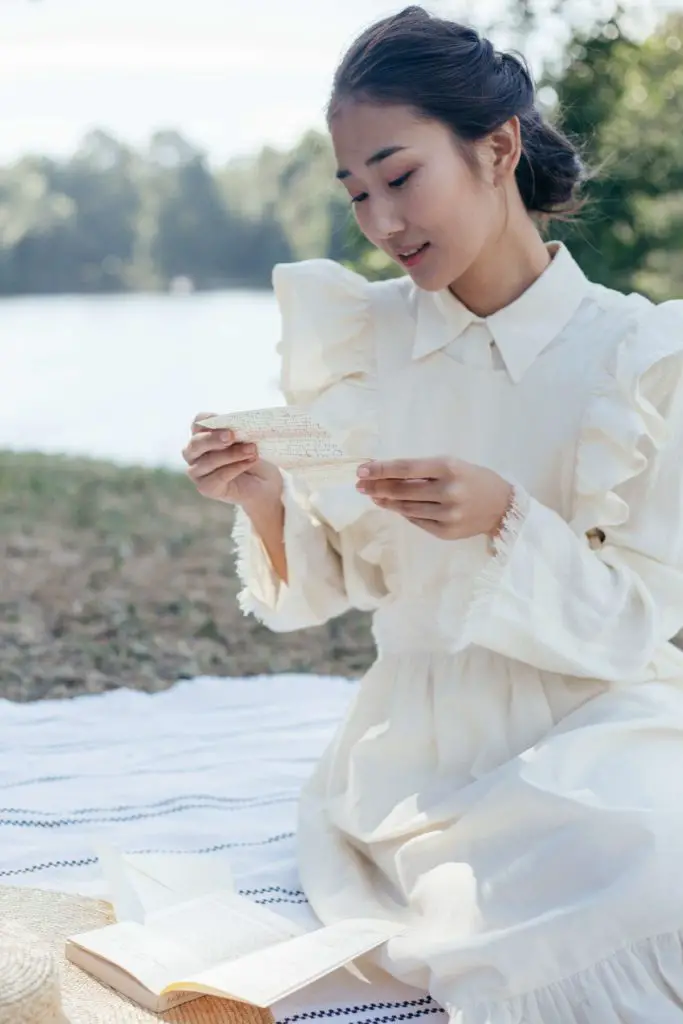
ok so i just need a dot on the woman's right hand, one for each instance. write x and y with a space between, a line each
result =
227 470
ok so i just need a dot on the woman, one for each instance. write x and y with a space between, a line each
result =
509 781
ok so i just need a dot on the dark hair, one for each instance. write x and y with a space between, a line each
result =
449 73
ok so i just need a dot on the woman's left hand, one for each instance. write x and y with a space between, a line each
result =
444 496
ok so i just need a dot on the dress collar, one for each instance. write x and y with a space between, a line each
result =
521 330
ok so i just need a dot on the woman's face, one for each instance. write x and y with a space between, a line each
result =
412 189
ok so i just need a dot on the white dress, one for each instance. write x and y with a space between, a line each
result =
509 781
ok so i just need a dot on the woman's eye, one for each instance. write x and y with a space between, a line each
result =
400 181
396 183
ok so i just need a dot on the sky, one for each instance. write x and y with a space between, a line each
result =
232 75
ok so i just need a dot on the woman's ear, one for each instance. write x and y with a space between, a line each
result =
502 150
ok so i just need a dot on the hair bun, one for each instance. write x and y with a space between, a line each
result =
550 170
515 65
487 50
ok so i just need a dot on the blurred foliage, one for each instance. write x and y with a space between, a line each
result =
625 100
112 218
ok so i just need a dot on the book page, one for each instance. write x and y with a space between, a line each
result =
221 926
289 438
188 938
264 977
122 981
140 883
155 960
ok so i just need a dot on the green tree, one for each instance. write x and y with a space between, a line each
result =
191 235
199 232
37 225
296 188
71 226
625 99
99 183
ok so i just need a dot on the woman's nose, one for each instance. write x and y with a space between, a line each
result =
387 221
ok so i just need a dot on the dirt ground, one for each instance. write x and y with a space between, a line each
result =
112 576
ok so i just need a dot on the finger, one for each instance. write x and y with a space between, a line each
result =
429 526
196 428
405 469
203 442
220 478
430 511
404 490
211 441
225 459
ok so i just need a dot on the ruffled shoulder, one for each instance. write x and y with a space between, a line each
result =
329 365
628 413
326 325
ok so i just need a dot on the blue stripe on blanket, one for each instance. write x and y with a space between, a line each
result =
423 1006
231 803
104 819
85 861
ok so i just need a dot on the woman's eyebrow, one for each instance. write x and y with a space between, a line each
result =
376 158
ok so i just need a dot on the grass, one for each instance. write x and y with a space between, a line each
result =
125 576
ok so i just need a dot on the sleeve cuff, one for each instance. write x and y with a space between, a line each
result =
491 581
310 564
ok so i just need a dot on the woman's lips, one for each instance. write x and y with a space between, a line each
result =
410 257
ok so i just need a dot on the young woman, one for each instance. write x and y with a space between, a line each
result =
509 781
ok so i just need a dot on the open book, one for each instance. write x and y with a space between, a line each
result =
291 439
221 945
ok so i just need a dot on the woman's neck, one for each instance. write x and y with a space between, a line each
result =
503 271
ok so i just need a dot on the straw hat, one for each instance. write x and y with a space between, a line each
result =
39 986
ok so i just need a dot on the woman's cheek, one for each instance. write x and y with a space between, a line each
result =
364 222
422 209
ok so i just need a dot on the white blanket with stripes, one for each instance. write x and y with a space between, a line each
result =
210 767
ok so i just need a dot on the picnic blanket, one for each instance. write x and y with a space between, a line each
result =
210 767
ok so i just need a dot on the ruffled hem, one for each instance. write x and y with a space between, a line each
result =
622 417
285 607
640 984
259 588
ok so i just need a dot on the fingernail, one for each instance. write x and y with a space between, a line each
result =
361 487
363 471
251 448
226 435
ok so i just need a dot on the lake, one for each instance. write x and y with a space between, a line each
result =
121 377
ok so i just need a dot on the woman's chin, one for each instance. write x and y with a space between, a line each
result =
429 278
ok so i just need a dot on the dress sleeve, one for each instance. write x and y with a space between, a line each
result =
602 595
331 533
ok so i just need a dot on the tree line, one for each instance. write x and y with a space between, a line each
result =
113 218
